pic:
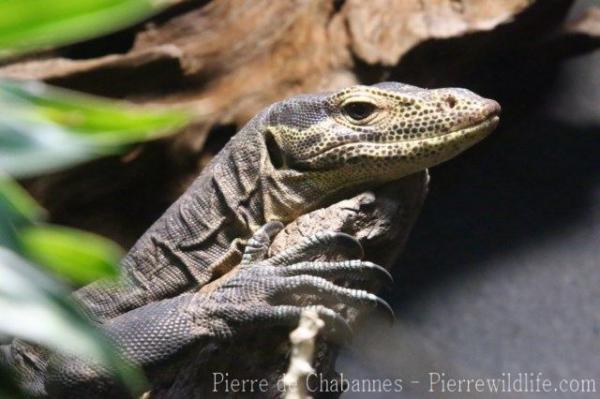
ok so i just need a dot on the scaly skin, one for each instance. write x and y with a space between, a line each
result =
296 156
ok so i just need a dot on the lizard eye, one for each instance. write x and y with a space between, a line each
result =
359 110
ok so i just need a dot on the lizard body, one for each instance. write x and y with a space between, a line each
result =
292 158
297 155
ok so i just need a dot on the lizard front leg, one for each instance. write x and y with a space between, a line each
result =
264 293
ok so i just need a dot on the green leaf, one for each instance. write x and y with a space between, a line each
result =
31 24
36 308
17 200
77 256
43 129
17 209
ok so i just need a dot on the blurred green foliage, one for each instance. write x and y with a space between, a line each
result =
37 308
17 209
78 256
44 129
31 24
20 202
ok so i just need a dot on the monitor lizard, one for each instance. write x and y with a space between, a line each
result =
296 156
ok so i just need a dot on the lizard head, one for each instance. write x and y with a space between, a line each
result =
375 133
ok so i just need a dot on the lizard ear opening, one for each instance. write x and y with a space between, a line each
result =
275 153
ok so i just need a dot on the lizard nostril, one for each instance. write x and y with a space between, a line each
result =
451 101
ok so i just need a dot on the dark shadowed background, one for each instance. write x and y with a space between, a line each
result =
502 271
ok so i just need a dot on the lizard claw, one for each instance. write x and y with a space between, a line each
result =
347 270
387 309
274 291
328 242
327 293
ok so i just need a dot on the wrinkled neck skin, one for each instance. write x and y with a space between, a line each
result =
285 194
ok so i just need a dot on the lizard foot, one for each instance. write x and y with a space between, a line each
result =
323 243
274 291
262 294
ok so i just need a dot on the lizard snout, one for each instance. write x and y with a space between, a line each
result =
492 108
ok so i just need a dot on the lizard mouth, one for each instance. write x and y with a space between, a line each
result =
484 127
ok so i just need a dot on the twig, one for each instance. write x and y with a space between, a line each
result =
303 347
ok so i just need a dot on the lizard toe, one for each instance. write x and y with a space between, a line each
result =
351 270
258 246
318 289
324 243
